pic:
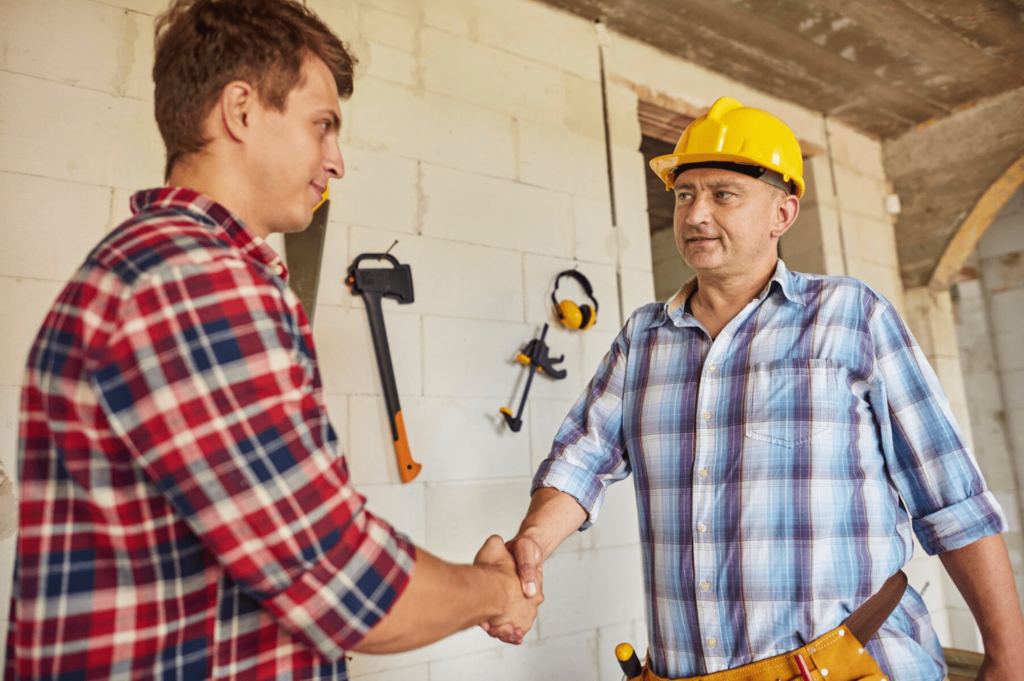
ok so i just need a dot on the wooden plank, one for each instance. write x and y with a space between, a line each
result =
964 665
979 219
664 117
662 123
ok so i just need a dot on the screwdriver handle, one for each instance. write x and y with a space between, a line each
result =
628 660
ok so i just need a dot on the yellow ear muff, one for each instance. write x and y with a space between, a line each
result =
589 317
570 314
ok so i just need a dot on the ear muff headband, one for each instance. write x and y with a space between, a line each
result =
571 315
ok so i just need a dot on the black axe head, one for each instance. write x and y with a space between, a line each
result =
392 282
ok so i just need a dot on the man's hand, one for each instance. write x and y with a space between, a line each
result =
529 559
552 516
521 611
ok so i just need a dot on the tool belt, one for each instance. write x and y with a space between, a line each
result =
838 655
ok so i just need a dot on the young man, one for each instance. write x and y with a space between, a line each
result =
185 512
775 425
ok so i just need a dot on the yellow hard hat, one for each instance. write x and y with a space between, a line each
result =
733 133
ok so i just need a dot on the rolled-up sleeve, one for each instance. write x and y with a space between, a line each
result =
208 381
928 458
588 451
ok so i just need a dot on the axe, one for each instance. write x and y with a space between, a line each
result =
374 284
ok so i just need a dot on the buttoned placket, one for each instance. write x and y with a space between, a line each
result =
714 355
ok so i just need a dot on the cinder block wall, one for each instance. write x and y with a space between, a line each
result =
990 329
475 138
843 227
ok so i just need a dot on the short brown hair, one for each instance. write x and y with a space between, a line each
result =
202 45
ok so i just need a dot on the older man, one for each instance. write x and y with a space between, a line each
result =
785 436
185 511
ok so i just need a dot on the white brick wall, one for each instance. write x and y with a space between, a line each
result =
37 244
475 138
867 234
990 329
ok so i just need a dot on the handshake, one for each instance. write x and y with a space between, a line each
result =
517 565
500 591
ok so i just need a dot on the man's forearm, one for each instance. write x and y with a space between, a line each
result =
443 598
981 571
552 517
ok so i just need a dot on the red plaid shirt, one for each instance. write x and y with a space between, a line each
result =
185 512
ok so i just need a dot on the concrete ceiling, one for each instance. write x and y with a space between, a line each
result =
943 174
885 67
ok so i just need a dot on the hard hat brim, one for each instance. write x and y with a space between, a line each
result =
663 166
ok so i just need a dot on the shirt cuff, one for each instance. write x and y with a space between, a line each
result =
961 524
576 481
335 604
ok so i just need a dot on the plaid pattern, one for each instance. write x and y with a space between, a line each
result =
185 512
769 465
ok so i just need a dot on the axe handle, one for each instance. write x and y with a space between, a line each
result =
407 468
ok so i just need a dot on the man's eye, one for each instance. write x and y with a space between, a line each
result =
683 196
723 195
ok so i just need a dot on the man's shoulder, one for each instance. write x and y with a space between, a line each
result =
645 315
153 239
836 288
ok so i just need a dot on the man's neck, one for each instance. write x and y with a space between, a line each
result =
718 299
205 174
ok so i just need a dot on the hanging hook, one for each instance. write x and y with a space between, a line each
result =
381 256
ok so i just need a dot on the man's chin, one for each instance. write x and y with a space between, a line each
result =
702 261
297 224
706 251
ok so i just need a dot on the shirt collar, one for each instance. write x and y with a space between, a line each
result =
792 286
228 226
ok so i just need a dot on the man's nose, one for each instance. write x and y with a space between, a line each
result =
699 212
334 164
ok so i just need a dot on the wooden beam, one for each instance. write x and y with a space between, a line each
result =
964 665
970 231
664 117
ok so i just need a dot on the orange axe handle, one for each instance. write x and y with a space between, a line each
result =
407 468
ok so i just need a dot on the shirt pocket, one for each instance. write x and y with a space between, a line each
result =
790 401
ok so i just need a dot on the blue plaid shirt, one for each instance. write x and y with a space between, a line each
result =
769 464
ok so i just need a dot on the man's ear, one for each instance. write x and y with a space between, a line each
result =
784 215
235 105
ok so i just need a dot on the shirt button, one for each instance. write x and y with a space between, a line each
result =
278 269
703 472
704 586
712 642
706 415
711 367
702 527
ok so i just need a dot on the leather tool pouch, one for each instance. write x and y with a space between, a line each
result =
839 655
836 656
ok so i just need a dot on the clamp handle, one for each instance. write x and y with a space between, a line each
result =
513 422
